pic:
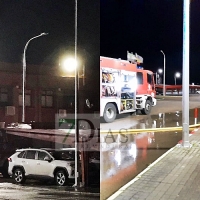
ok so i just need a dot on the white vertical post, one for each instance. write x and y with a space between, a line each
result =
175 79
156 78
164 62
77 179
185 80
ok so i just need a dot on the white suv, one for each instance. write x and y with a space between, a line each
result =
40 163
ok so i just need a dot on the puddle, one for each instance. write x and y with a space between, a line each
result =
172 119
125 156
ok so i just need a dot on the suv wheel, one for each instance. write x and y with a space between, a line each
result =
19 176
61 178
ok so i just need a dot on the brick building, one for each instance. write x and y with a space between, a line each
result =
47 93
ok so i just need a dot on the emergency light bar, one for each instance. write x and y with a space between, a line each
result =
134 58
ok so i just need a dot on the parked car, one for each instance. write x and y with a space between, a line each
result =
93 165
69 153
41 163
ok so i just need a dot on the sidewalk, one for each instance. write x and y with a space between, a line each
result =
175 175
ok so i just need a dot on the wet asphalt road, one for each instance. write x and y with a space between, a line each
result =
35 190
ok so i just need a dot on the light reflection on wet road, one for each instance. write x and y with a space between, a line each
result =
11 191
125 156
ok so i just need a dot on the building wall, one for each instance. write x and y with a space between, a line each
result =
62 88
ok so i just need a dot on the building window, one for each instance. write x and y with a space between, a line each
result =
47 98
69 102
3 95
27 98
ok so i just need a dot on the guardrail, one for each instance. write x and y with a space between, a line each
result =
176 88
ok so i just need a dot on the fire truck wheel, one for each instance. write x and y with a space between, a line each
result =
147 109
109 114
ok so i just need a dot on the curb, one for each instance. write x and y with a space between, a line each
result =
84 193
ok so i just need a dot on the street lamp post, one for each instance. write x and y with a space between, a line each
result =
24 75
157 78
163 74
176 75
186 72
71 64
77 177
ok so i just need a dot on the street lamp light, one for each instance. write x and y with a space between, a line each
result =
176 75
163 74
24 75
69 65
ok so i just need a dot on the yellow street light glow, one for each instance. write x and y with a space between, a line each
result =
69 64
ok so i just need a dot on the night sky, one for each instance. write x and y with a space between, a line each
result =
21 20
105 27
148 26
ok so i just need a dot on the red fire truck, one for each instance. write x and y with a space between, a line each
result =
124 88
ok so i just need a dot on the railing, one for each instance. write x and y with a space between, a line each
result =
176 88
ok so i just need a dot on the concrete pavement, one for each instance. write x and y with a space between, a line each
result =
173 176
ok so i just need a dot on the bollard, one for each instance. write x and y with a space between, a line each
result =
195 115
